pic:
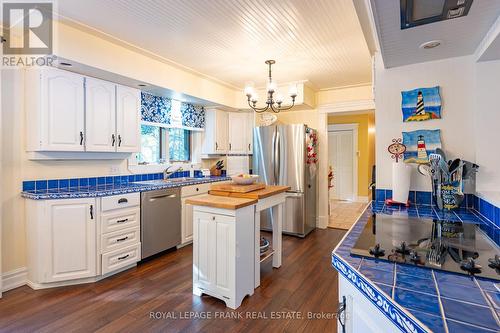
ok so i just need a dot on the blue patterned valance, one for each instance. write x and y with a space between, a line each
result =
162 111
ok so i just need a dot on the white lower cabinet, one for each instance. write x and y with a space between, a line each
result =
223 253
187 210
61 237
73 241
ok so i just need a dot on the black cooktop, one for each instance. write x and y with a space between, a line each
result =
443 245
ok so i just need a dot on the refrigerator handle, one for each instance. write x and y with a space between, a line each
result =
278 157
274 159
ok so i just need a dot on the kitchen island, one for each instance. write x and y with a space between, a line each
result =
226 241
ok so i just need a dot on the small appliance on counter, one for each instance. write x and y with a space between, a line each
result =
401 174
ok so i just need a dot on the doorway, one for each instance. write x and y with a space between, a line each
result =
342 155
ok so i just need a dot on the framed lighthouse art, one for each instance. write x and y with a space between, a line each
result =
419 144
421 104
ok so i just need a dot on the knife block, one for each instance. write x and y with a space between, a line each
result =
215 172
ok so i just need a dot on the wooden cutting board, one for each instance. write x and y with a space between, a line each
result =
268 191
235 188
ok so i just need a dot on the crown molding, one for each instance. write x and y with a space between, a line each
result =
347 106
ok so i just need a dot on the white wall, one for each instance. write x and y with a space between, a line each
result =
487 113
455 76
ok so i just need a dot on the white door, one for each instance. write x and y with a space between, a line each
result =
341 158
100 121
128 119
63 114
250 124
187 222
70 240
237 132
221 131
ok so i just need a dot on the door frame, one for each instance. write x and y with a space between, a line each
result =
355 152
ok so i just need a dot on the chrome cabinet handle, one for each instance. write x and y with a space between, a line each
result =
91 212
124 257
216 146
122 221
81 138
122 239
113 140
229 146
119 140
249 148
122 200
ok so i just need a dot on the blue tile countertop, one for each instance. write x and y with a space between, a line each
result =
442 301
102 186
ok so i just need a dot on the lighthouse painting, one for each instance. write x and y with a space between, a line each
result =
419 144
421 104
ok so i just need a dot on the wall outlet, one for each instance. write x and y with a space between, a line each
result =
114 170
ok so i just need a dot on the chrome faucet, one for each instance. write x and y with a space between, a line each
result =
167 173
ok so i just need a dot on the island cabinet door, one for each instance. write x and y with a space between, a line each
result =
68 249
214 253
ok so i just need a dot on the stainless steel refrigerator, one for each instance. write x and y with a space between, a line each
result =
279 158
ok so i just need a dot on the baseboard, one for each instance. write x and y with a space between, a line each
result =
323 222
362 199
14 279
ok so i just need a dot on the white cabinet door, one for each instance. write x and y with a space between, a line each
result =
187 222
128 119
100 120
204 250
237 132
62 111
221 132
250 124
225 254
69 240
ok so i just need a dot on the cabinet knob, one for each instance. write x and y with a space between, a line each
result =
197 189
213 218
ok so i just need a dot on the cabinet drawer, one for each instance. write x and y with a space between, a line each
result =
187 191
117 259
120 239
120 201
120 219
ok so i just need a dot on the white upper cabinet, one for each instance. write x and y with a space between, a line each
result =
55 110
100 122
215 136
128 119
237 132
250 124
67 112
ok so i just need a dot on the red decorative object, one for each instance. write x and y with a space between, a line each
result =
311 148
397 149
390 202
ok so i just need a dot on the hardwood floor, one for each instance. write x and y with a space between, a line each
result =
306 282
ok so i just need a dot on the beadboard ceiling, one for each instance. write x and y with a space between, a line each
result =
320 41
460 37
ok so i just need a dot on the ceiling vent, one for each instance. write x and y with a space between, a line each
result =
420 12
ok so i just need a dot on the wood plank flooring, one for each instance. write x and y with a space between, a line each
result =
306 282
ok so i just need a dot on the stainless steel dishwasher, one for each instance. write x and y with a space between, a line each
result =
160 220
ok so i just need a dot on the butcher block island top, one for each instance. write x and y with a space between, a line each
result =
220 202
233 196
263 192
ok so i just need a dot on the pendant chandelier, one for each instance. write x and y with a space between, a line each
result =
273 102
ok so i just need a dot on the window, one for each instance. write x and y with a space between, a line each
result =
160 144
179 145
150 145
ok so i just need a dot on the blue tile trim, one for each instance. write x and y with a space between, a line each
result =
102 186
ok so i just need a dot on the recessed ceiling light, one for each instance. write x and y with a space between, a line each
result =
430 44
65 64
